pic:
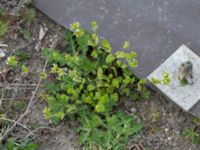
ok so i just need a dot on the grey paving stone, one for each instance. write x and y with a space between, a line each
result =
186 96
155 28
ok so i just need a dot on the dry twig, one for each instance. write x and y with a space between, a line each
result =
34 131
17 123
6 133
31 102
3 45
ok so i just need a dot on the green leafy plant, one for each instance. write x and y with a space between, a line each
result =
192 135
87 74
111 133
3 28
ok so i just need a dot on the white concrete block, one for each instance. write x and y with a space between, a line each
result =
185 96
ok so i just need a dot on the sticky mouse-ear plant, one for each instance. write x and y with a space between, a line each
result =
87 74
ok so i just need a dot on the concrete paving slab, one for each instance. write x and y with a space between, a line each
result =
186 96
155 28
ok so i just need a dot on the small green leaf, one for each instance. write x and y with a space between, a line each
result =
12 61
110 76
166 78
94 54
94 26
115 83
155 81
60 115
140 84
119 63
123 66
104 99
74 26
47 113
106 45
133 63
110 58
133 54
90 87
95 39
166 81
120 54
115 97
100 108
60 72
54 69
126 45
79 33
25 70
31 146
72 109
43 75
100 73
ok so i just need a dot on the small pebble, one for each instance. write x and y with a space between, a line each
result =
166 130
133 110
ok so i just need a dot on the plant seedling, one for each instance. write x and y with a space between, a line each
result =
12 61
192 135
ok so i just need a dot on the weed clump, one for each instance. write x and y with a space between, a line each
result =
88 76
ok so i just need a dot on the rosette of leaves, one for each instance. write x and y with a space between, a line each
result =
87 73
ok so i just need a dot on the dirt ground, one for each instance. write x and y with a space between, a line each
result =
164 121
165 131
